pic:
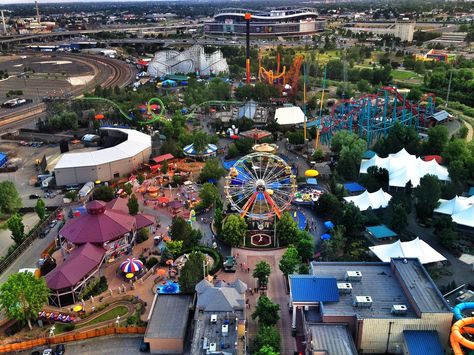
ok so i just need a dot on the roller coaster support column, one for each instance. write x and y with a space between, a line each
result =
316 141
248 16
304 99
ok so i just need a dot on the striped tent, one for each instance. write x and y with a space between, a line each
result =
189 150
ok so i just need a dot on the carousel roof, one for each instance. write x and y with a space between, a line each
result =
81 262
189 150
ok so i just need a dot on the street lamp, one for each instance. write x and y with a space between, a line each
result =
51 331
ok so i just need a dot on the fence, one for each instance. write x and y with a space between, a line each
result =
70 337
5 263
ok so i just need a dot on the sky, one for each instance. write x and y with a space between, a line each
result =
3 2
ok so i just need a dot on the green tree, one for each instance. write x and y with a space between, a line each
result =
40 209
200 141
447 238
182 230
10 200
212 170
218 219
261 272
127 187
437 139
415 94
286 230
209 194
164 167
350 149
140 179
427 195
175 247
289 261
333 249
352 219
305 245
103 193
399 220
267 349
419 67
266 311
22 296
363 86
267 340
234 230
328 205
16 226
192 272
132 205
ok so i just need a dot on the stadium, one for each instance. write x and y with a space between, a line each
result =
123 151
276 22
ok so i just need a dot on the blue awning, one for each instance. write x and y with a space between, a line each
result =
368 154
381 231
422 342
309 288
311 181
354 187
440 116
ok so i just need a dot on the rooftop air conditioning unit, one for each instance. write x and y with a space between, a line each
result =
213 318
344 287
362 301
399 309
205 344
212 347
353 276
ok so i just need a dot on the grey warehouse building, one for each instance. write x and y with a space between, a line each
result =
133 149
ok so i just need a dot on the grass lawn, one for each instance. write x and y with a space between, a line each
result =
109 315
404 74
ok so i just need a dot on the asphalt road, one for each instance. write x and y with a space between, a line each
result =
105 345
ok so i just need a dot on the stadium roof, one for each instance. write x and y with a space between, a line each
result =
309 288
136 143
415 248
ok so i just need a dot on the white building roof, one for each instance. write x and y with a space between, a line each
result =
374 200
403 167
455 205
289 115
415 248
136 142
465 217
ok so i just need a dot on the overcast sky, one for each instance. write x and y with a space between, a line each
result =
62 1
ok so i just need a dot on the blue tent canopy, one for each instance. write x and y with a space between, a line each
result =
311 181
325 236
3 159
228 164
381 231
354 187
328 224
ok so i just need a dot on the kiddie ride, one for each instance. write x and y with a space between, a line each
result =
462 327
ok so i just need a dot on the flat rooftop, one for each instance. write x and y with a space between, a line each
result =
169 317
335 339
206 333
379 281
422 288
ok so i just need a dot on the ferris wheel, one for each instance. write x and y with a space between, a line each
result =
260 186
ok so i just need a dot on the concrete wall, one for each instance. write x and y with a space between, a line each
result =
376 332
165 346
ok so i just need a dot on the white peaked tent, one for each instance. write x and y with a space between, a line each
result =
465 217
454 206
415 248
403 167
289 115
366 200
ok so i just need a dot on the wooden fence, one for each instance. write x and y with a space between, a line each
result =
88 334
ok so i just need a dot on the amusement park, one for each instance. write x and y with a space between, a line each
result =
255 199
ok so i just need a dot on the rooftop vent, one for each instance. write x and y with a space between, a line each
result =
362 301
213 318
399 309
344 287
212 347
353 276
225 329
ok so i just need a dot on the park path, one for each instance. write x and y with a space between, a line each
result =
277 292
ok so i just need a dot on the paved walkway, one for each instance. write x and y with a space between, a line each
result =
29 220
277 292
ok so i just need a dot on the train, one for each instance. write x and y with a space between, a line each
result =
16 102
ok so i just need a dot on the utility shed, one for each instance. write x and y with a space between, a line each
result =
167 323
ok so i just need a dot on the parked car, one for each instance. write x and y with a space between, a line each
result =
52 223
34 196
45 232
144 347
48 352
60 349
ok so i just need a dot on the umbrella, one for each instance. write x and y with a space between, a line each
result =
166 239
77 308
311 173
329 224
99 116
129 275
325 236
163 200
131 265
161 272
234 136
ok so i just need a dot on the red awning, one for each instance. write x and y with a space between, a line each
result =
438 158
162 158
143 62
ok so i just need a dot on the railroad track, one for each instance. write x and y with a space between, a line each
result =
121 74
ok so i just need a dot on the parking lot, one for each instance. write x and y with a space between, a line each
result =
25 177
